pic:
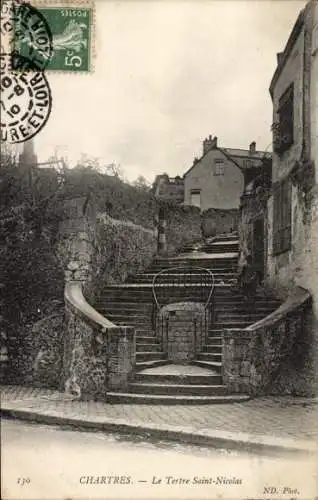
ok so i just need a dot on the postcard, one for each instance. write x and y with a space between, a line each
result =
159 249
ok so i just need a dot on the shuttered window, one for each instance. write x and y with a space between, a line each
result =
286 119
282 217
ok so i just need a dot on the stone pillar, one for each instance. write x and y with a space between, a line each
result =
75 247
184 330
162 241
121 356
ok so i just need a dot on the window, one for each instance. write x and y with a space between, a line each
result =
195 197
284 128
282 217
218 167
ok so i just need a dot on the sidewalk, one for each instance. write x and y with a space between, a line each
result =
271 424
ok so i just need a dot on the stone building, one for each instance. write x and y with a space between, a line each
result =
216 179
170 189
292 207
214 184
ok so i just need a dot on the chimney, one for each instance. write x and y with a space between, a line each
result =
252 148
279 56
209 144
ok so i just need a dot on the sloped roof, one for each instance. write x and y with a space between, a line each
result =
236 154
244 153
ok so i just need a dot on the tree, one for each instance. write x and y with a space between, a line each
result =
114 169
141 183
95 163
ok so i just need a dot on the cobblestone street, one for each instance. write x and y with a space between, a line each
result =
281 417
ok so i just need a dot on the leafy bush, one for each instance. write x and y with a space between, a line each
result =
183 226
31 279
112 195
121 249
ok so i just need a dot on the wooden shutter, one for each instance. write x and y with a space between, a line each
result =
282 217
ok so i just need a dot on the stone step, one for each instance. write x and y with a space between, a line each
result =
224 241
141 365
233 324
217 281
144 332
220 317
211 263
149 356
123 308
147 339
119 315
177 389
198 273
207 356
179 266
172 279
130 292
212 348
220 249
241 307
213 365
213 379
232 269
191 259
169 259
147 288
214 339
129 322
228 296
147 347
107 311
145 324
136 398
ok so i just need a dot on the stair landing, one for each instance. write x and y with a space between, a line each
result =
176 369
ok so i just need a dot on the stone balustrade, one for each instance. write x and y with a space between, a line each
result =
98 355
254 357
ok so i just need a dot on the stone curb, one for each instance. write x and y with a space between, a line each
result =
185 435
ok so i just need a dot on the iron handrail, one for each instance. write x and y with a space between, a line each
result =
183 285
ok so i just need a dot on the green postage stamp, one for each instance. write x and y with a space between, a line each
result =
71 34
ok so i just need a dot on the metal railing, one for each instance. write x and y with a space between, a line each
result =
182 284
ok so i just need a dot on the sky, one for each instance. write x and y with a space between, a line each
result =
166 75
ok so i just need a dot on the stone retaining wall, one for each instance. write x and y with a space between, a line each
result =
217 221
270 356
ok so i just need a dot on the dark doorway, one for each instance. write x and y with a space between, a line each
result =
259 247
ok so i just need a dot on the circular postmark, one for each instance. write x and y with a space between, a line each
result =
25 98
28 31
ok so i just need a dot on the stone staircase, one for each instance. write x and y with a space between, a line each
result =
156 380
